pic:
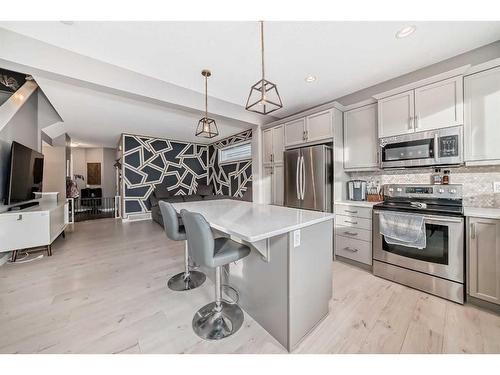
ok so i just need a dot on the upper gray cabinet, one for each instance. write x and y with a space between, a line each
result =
360 138
295 132
433 106
439 105
315 127
482 117
319 126
273 145
395 114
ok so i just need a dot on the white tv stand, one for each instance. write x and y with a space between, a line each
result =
36 226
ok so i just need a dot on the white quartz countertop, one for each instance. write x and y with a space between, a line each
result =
357 203
488 213
253 222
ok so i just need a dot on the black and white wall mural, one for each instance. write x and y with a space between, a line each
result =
149 161
182 166
232 179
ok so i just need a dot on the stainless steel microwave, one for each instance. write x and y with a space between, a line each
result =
433 147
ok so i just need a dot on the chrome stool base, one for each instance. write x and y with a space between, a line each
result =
180 282
210 324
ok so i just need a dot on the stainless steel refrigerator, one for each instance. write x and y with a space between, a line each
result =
309 178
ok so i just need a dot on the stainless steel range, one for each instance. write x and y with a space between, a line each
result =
437 268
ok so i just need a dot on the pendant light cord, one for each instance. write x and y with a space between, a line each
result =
262 45
206 97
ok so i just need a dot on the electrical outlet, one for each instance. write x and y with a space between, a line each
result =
496 187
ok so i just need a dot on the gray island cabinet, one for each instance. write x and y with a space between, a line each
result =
285 284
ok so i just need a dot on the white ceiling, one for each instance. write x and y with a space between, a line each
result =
94 118
344 56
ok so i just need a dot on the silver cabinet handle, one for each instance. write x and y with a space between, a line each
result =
351 211
410 123
472 230
351 222
20 217
351 233
303 135
351 249
416 121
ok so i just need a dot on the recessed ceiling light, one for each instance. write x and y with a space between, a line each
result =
310 78
406 31
68 23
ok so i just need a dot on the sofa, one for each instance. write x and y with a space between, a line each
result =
204 192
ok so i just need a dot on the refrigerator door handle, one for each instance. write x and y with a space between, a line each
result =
303 177
297 178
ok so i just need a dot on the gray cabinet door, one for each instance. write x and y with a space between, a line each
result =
360 138
396 114
484 259
482 116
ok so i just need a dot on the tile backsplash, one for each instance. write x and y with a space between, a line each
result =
477 181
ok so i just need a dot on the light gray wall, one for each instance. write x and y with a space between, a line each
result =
108 179
105 156
22 128
54 169
474 57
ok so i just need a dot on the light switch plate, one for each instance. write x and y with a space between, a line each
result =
296 238
496 187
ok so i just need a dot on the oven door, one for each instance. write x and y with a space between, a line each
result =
443 256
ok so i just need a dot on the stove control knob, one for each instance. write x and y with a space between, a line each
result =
453 191
391 190
399 190
441 191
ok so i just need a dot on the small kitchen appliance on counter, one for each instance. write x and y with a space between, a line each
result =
356 190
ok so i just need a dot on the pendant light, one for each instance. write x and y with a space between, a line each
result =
207 127
264 97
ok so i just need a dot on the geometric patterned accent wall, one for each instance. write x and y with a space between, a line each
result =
148 161
232 179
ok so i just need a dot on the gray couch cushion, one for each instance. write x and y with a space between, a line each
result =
205 190
161 192
192 198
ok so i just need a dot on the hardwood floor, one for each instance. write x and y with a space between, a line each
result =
104 291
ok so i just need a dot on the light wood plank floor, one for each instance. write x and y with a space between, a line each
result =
104 291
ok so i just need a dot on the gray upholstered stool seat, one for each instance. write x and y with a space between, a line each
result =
227 251
188 279
217 319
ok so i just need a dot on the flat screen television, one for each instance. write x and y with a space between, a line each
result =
26 174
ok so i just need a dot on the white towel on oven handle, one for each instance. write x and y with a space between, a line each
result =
403 229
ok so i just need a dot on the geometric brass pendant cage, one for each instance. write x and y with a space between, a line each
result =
264 97
207 128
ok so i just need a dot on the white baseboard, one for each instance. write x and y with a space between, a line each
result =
137 217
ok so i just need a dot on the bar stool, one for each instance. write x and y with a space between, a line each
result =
188 279
218 319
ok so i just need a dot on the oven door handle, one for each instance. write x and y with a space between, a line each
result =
435 218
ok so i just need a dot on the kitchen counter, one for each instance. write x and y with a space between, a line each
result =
357 203
485 212
253 222
285 283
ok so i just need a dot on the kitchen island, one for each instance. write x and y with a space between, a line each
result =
285 283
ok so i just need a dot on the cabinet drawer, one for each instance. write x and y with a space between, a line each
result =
360 251
351 210
24 230
356 222
354 233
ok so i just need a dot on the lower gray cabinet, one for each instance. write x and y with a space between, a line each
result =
484 259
